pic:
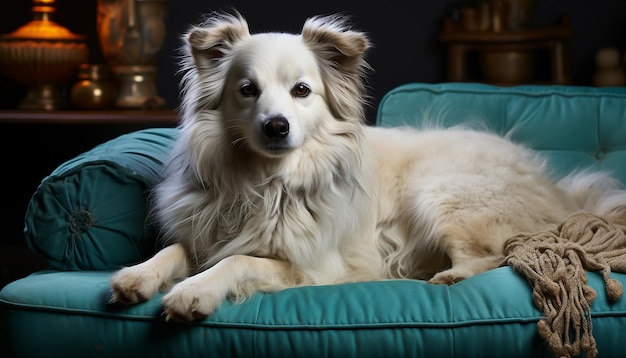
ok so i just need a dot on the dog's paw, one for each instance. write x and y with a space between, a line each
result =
188 302
451 276
134 284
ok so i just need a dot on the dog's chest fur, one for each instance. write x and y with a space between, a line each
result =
275 211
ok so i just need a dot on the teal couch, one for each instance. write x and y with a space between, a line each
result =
88 218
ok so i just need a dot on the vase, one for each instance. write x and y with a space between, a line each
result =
131 35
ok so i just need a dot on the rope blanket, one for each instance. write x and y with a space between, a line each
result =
554 263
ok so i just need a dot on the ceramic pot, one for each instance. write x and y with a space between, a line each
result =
508 67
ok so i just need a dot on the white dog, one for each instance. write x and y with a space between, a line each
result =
275 181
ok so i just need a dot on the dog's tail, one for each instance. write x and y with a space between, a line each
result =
597 192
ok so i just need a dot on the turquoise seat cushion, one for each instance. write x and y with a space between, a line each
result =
91 212
489 315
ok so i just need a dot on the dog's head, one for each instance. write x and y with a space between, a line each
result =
271 91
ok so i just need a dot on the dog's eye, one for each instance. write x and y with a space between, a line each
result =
248 89
300 90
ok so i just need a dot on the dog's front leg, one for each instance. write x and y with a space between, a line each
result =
237 276
140 282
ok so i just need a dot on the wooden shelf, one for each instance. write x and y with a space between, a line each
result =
168 117
452 33
553 40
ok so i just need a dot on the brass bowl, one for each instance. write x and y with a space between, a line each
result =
41 62
43 56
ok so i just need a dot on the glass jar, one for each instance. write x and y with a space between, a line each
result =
94 89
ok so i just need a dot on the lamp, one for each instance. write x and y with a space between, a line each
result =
42 55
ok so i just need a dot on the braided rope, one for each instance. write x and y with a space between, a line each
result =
554 262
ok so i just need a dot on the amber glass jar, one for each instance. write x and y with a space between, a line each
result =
94 89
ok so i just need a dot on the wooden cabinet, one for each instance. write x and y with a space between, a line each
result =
32 144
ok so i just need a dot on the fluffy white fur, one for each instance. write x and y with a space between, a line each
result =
276 182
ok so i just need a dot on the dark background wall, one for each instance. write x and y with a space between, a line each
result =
405 49
404 33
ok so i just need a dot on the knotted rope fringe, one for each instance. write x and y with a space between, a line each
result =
554 262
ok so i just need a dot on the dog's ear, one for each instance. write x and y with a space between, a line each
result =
331 38
216 36
204 59
341 52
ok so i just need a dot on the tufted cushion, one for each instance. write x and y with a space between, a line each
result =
573 126
90 213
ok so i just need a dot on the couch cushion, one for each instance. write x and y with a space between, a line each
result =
489 315
575 127
90 213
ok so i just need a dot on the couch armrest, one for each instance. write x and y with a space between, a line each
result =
90 213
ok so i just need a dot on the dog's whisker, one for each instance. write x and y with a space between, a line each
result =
238 142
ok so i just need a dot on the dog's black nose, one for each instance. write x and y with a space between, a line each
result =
276 127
